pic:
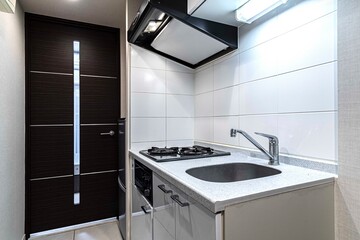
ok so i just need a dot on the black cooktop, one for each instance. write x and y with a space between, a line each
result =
181 153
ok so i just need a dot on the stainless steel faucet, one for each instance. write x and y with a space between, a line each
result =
273 152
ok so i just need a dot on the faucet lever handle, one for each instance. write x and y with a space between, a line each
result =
270 137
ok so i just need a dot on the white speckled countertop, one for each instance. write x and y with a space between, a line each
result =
217 196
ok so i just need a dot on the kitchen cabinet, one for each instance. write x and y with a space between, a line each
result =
297 215
179 217
142 217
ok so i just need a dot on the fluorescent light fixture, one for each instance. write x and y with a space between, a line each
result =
255 9
152 26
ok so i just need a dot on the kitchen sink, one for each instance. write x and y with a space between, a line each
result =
231 172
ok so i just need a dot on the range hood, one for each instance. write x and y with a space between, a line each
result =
164 27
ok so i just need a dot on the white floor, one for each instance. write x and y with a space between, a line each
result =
107 231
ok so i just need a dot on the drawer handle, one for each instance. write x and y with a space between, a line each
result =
145 210
162 188
177 200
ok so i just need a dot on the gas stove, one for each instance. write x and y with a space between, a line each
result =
181 153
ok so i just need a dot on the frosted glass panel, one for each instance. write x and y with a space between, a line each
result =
76 121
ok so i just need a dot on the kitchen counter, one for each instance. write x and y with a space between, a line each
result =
217 196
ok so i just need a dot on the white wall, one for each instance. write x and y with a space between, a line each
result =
162 101
282 81
12 125
348 183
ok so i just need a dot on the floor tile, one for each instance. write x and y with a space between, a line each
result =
59 236
109 231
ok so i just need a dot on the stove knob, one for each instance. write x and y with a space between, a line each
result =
147 192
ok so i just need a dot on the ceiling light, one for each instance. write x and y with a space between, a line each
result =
152 26
255 9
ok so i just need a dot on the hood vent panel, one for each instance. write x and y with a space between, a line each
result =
178 36
193 47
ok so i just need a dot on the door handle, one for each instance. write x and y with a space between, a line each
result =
145 210
111 133
177 200
162 188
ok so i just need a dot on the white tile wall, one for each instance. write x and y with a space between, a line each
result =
162 101
142 58
204 80
180 83
147 105
259 62
222 126
226 73
258 123
148 80
311 89
204 129
226 101
286 78
204 105
309 45
180 128
180 106
148 129
258 97
309 134
282 81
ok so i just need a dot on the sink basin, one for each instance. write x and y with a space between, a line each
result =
231 172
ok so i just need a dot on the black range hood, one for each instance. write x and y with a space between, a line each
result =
164 27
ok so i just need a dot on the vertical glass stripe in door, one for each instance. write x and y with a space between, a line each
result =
76 122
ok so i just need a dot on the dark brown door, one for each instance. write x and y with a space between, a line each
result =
67 131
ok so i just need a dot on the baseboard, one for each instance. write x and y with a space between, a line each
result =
72 228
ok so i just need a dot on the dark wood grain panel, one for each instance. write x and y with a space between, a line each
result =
51 151
51 99
99 51
51 204
51 46
98 153
99 100
98 197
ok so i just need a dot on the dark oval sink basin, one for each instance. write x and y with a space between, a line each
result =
231 172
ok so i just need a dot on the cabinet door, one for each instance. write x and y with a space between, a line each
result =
141 220
194 222
178 216
164 210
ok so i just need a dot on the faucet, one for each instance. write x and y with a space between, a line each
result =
273 152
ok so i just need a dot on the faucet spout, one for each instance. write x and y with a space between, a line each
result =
272 154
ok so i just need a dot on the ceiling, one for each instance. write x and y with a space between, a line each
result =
102 12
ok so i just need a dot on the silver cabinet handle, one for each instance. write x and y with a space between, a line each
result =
111 133
145 210
177 200
162 188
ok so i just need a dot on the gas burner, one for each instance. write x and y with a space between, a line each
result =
181 153
195 150
163 151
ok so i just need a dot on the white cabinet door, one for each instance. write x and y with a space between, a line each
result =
141 220
194 222
164 210
179 217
